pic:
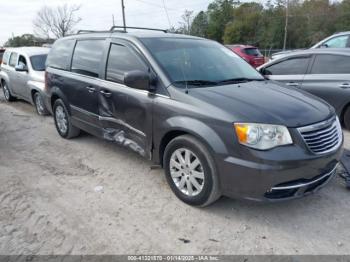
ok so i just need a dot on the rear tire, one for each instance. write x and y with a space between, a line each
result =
7 93
63 121
190 171
347 118
39 104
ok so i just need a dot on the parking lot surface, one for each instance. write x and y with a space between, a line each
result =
89 196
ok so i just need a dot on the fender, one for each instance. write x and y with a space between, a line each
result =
4 76
55 91
37 86
193 127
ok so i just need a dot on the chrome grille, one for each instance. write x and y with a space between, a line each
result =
322 137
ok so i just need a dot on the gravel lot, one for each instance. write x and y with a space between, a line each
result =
49 203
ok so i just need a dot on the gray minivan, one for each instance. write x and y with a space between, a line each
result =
195 108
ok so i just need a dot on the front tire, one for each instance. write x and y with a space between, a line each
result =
39 105
190 171
63 121
7 93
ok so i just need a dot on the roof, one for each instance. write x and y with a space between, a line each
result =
241 46
30 50
337 51
130 35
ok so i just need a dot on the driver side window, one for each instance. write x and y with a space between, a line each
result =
22 61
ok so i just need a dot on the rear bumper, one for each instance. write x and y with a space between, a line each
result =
278 179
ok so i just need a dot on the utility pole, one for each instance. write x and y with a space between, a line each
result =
113 20
286 26
123 10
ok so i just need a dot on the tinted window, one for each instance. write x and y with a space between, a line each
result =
13 59
87 57
331 64
293 66
337 42
1 55
38 62
120 60
22 61
60 54
252 51
192 60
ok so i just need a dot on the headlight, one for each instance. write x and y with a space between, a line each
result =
261 136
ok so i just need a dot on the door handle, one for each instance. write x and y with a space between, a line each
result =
344 85
91 89
105 93
292 84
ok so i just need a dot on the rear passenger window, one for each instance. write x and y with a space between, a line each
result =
60 54
331 64
120 60
13 59
293 66
87 57
6 58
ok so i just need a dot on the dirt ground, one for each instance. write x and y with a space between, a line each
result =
88 196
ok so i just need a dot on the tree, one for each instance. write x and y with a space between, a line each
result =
244 28
56 21
24 40
185 24
199 25
220 13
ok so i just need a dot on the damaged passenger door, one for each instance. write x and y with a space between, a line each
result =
125 112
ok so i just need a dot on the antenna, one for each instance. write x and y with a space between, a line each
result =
123 11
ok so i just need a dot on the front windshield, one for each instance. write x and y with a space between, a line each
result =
38 62
197 61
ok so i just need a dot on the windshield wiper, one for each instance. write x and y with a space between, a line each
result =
197 82
239 80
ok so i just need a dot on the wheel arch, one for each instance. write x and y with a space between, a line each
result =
197 129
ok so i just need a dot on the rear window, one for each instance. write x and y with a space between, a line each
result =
331 64
87 57
5 57
252 51
38 62
60 54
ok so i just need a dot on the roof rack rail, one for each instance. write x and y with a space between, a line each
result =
141 28
113 29
91 31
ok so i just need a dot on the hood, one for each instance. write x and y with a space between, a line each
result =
265 102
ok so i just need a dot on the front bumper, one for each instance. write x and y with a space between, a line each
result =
285 173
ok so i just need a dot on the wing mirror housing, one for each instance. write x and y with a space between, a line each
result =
139 80
21 68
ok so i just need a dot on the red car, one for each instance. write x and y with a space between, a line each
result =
249 53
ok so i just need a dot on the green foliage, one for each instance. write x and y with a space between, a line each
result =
264 25
24 40
200 24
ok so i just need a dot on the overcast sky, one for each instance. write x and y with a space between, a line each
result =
17 15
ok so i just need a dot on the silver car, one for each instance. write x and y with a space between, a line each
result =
323 72
22 75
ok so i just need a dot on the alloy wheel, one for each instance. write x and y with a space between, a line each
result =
187 171
61 119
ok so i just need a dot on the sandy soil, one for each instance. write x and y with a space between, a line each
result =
51 202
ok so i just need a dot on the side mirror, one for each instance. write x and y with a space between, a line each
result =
21 68
262 71
138 79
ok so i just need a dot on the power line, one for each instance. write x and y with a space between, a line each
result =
166 12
